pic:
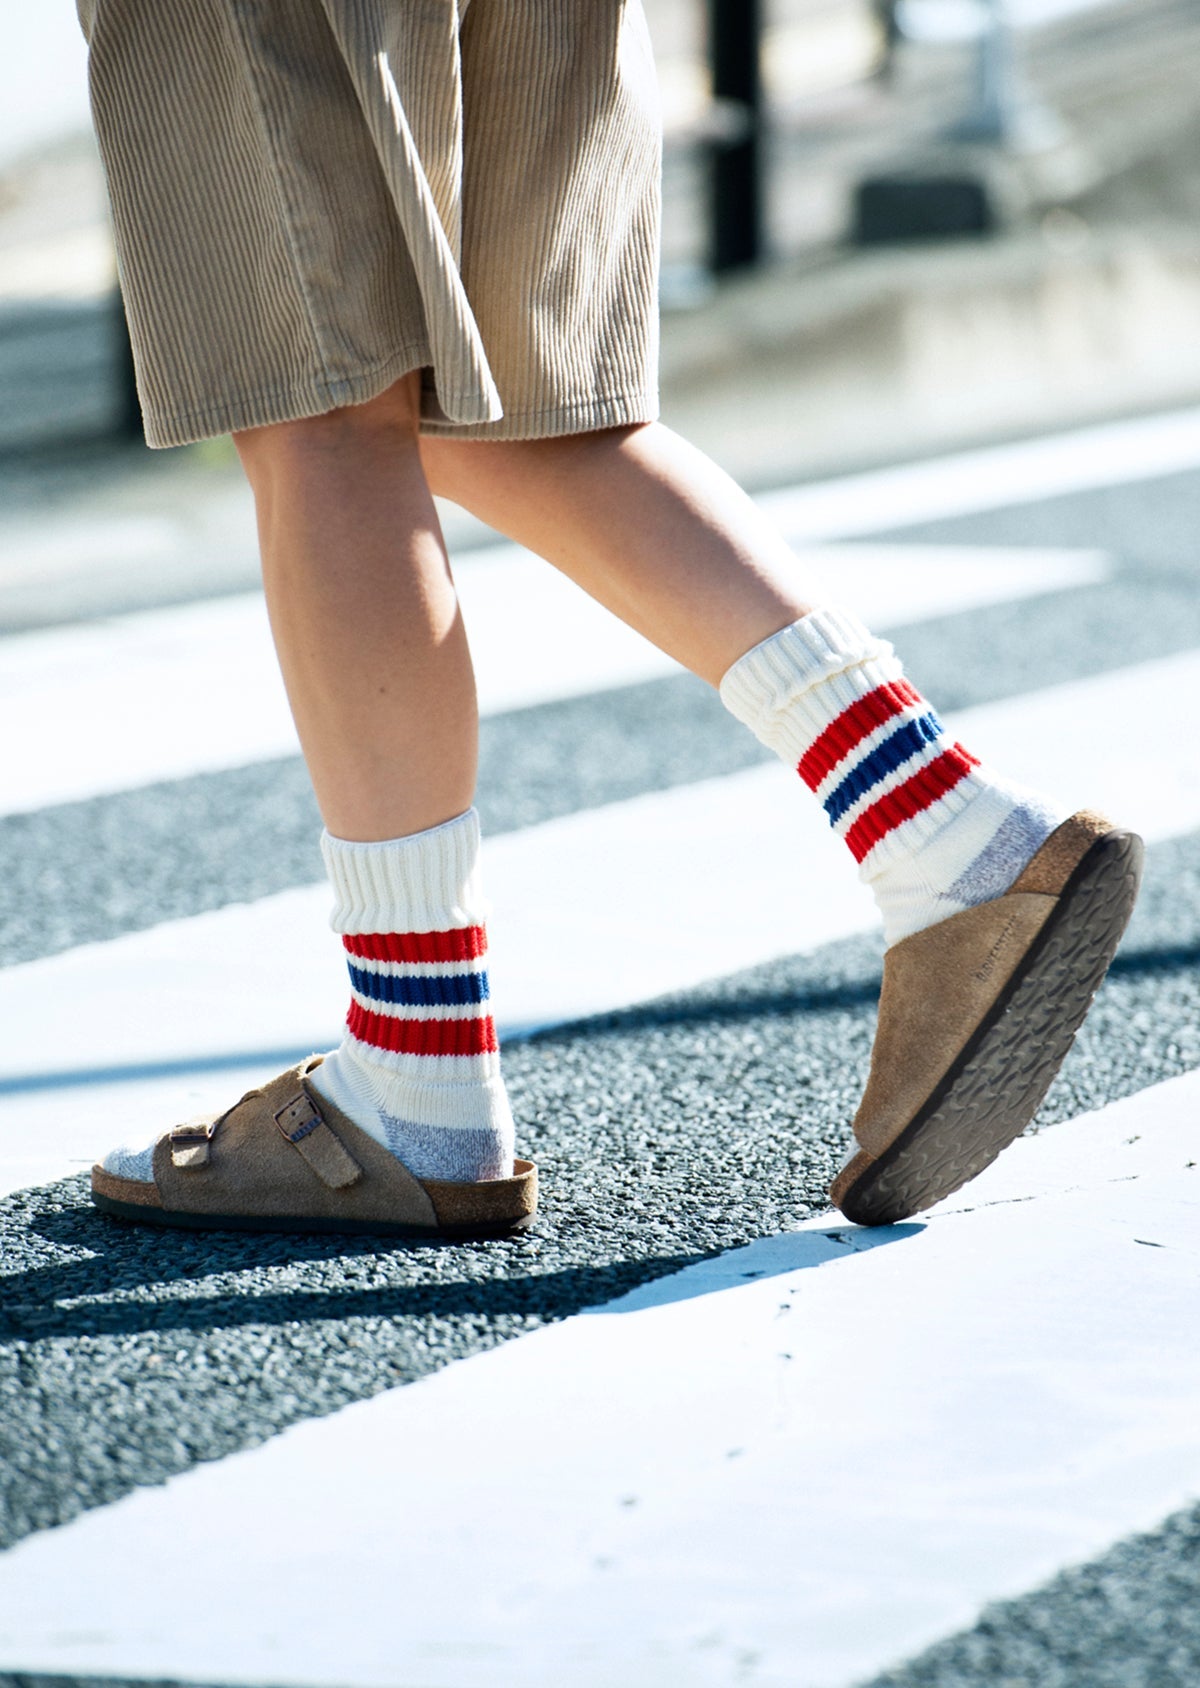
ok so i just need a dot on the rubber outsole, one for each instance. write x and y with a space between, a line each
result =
134 1213
996 1085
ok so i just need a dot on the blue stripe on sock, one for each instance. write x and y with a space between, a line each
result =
895 750
455 990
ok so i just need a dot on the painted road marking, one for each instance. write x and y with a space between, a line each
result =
905 1424
161 694
991 478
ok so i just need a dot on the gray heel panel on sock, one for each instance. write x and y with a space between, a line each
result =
994 869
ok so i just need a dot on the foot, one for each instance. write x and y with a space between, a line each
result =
976 1016
284 1158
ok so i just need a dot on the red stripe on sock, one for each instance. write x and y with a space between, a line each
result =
852 726
400 1036
466 943
920 791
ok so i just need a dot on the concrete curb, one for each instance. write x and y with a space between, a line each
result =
818 367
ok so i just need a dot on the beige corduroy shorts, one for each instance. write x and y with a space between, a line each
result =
313 197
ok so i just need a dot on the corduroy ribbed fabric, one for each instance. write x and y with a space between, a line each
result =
313 197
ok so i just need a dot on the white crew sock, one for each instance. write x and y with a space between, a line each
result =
933 832
418 1067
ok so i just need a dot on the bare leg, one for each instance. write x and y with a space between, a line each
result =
365 618
662 538
375 659
646 525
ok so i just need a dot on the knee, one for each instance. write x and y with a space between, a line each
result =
386 425
456 468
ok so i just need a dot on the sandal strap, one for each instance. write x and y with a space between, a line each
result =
190 1142
287 1156
301 1123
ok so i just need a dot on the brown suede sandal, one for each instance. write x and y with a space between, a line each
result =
285 1159
976 1016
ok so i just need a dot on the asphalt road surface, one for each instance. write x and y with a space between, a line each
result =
667 1130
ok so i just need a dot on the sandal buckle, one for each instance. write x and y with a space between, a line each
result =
299 1119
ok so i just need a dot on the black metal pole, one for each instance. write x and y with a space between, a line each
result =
734 56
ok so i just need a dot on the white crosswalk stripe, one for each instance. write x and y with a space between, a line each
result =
988 1361
103 707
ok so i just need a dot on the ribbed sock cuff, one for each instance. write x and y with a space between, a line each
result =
427 882
769 688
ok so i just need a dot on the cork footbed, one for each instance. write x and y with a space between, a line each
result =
976 1016
286 1159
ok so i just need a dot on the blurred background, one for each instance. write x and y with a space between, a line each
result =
892 227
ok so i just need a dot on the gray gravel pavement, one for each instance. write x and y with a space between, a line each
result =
1130 1619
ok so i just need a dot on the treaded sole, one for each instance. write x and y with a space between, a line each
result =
136 1214
997 1083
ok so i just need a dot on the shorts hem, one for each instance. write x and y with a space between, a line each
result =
260 410
612 411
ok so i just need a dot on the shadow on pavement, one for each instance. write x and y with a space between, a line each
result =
128 1355
62 1301
160 1280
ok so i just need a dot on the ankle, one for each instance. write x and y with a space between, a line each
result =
984 847
932 831
419 1064
459 1133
